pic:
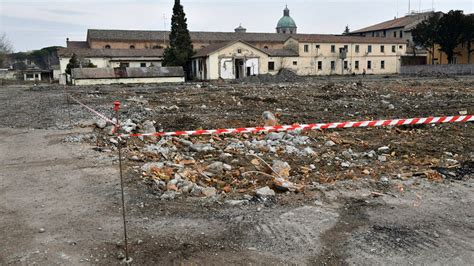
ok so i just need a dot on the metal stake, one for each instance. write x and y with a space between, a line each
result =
116 108
68 106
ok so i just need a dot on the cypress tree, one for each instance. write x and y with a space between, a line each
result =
181 48
73 63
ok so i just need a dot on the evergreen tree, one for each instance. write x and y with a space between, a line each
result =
73 63
346 31
450 32
424 34
181 49
468 35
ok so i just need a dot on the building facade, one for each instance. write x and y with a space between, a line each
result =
238 54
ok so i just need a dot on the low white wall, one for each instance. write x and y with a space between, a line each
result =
84 82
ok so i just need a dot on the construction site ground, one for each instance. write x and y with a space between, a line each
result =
398 196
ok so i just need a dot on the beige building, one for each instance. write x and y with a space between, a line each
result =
306 55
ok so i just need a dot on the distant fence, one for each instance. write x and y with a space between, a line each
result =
438 69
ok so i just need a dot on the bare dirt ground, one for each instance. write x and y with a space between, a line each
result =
59 183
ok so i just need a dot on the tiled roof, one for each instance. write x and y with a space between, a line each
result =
395 23
219 37
218 46
196 36
133 72
67 52
281 53
74 44
211 49
324 38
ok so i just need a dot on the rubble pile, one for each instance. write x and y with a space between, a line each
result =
242 167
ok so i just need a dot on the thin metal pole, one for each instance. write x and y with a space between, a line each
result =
124 215
68 106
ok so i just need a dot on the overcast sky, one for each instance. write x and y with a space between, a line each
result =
33 24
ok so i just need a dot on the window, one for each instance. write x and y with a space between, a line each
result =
385 33
333 48
394 34
124 65
369 49
265 47
382 48
142 64
356 64
357 48
401 34
333 65
107 46
318 46
132 46
394 49
239 51
30 76
369 64
400 47
373 34
306 48
345 65
271 66
346 47
382 64
320 65
157 47
377 34
295 63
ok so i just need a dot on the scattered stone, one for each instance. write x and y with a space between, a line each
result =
209 192
216 168
383 149
100 123
285 185
120 255
464 112
265 192
201 147
384 181
236 202
269 119
281 168
275 136
382 158
42 230
330 143
345 164
169 195
149 127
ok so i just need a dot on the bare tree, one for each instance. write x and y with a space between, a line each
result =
5 48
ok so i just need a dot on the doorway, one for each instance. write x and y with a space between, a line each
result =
239 68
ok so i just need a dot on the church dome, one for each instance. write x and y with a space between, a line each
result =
286 24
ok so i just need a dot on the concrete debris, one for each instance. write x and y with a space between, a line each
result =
281 168
216 168
149 127
209 192
265 192
100 123
269 119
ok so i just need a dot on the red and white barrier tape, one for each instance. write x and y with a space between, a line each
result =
376 123
93 111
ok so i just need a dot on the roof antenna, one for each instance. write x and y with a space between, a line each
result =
409 7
